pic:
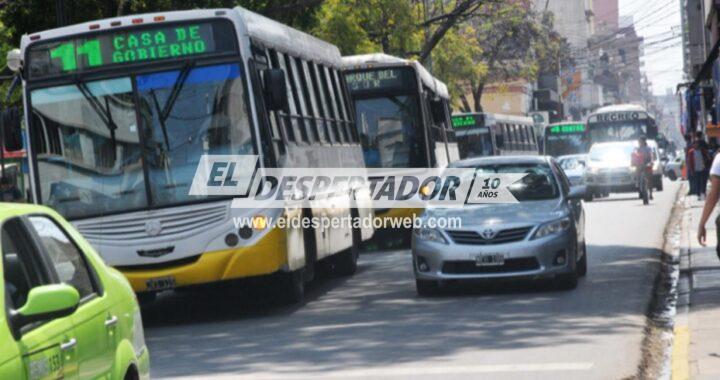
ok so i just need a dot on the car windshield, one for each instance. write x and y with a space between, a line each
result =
389 132
88 169
538 184
615 153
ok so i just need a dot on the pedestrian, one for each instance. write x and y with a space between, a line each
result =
710 202
688 171
698 165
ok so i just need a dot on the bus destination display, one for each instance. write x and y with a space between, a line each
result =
382 79
567 129
128 46
463 121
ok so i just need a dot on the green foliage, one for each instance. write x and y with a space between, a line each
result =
364 26
28 16
455 60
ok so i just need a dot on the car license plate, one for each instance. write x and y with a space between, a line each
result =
490 260
161 283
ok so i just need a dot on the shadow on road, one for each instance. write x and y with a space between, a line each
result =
375 318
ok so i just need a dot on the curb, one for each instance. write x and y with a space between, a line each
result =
680 357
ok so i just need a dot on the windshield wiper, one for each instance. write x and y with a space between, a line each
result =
175 91
103 113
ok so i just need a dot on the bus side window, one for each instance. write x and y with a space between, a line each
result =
327 104
334 108
321 102
312 101
299 118
499 138
345 123
291 125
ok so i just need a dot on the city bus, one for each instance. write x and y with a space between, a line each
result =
623 122
120 112
402 116
488 134
562 139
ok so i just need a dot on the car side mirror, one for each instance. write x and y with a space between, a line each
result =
46 302
12 129
275 89
577 192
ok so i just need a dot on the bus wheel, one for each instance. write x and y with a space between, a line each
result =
292 286
146 298
345 262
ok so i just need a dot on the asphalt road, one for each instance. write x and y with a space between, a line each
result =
373 325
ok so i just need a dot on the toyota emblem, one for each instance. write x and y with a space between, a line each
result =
488 233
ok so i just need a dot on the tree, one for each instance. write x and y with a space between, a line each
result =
516 42
364 26
443 16
28 16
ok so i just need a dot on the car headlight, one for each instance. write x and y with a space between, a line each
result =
429 234
554 227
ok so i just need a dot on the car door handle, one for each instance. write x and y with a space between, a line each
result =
112 321
68 345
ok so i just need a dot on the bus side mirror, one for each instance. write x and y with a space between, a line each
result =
437 110
275 89
12 130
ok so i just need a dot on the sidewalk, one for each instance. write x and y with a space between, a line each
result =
696 348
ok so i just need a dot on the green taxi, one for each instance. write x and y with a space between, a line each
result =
66 314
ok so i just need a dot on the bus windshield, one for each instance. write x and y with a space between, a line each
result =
389 131
565 144
87 169
475 143
623 131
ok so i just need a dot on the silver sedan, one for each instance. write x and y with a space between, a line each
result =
541 236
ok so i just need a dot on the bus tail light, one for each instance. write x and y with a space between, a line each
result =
137 21
159 18
94 26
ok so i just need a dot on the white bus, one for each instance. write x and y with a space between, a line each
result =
121 110
491 134
403 116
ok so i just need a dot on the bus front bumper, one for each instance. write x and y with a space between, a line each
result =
266 256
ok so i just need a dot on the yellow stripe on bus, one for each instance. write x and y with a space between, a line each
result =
266 256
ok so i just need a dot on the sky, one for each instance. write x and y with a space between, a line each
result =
658 21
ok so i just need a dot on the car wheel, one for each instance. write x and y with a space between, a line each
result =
582 264
567 281
671 175
427 288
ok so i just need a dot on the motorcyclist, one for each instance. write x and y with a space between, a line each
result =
642 161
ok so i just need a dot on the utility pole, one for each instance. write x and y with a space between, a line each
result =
60 12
